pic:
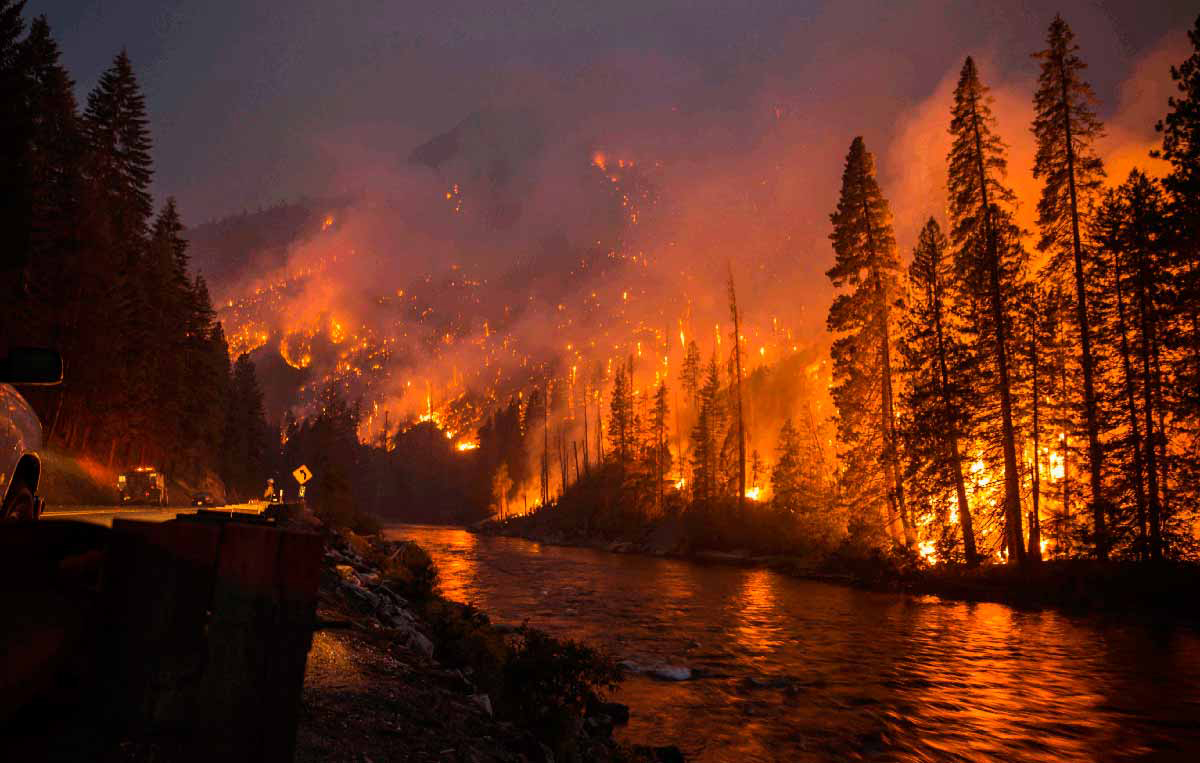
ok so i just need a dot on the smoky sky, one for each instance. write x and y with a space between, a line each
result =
253 102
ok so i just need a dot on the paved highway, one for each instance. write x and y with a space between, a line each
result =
104 515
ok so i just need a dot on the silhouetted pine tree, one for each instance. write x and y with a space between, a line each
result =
1118 329
662 453
866 265
708 431
1135 238
53 155
118 172
691 375
935 400
1066 128
14 181
796 482
621 422
1180 340
246 454
989 261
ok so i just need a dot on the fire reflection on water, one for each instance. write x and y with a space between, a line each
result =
785 669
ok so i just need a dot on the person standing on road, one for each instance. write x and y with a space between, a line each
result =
269 493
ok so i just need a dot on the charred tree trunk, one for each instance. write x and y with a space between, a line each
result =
586 465
1035 520
737 390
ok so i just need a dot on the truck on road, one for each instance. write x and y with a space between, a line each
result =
145 485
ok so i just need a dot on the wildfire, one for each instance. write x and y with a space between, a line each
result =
437 351
927 551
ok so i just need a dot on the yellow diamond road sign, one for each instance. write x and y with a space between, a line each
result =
302 474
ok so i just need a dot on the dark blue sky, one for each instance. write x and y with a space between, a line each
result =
253 101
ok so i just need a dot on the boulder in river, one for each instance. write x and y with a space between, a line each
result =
671 672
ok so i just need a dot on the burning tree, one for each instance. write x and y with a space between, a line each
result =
1132 236
935 399
867 265
989 261
1066 127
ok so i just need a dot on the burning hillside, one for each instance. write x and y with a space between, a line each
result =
483 284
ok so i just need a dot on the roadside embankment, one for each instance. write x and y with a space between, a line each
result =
68 479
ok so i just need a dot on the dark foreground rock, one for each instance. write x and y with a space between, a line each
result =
393 676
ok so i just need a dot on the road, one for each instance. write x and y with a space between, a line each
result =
104 515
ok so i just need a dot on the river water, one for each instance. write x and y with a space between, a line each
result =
785 669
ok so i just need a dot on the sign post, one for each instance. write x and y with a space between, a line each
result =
302 475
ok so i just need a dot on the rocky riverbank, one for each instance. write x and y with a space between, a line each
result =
1079 586
398 673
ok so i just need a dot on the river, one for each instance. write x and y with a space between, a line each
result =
786 669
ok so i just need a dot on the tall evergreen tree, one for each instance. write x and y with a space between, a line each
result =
934 397
247 444
989 259
707 432
621 421
1180 351
118 132
1134 234
866 265
662 454
1066 127
1118 328
52 159
118 171
796 481
14 185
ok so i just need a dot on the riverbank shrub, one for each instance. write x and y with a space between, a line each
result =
410 570
549 684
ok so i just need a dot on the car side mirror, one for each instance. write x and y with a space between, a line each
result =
31 365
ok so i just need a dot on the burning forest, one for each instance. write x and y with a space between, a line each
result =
602 326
